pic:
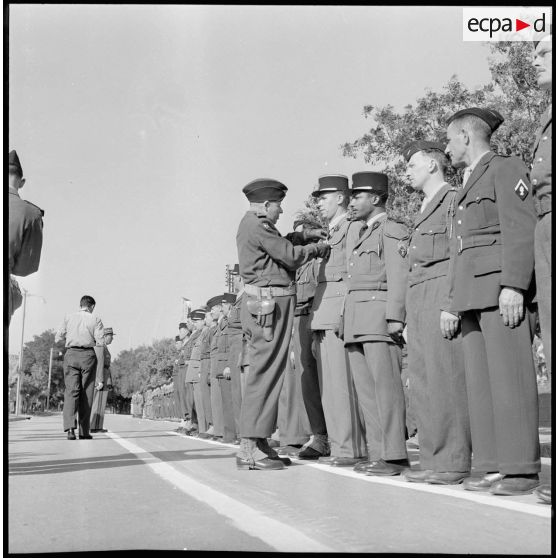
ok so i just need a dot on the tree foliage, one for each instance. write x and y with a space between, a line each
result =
512 91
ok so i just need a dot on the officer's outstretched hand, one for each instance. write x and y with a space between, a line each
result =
511 306
314 234
323 249
449 324
227 373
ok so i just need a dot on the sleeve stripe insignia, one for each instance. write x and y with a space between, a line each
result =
521 189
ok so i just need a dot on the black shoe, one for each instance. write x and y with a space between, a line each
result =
93 430
86 437
205 436
310 453
71 434
264 464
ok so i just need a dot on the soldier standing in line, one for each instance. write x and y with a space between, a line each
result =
191 422
492 287
100 398
438 391
541 179
25 235
233 369
184 332
176 405
338 395
194 368
205 370
267 265
373 322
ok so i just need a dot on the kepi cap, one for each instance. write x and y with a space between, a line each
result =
229 297
331 183
421 145
182 325
177 338
492 117
265 189
13 162
108 331
198 314
369 181
214 301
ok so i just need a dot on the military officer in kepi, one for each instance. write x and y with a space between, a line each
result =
267 262
437 376
25 234
492 287
373 321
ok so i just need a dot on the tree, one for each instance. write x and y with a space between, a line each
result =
512 92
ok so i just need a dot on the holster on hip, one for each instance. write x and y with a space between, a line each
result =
263 311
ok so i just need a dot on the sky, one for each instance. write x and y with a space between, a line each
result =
138 126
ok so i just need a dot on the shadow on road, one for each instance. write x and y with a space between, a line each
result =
107 461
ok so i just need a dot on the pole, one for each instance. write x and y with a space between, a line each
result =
49 377
20 365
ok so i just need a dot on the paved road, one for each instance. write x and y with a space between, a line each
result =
141 486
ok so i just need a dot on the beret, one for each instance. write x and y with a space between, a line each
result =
229 297
214 301
13 162
332 183
421 145
368 181
182 325
492 117
264 189
198 314
177 338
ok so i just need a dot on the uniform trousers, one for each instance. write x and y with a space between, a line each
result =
309 374
229 429
79 379
235 357
98 409
438 392
502 392
543 274
206 390
339 396
217 408
376 370
292 420
190 403
258 413
203 425
180 388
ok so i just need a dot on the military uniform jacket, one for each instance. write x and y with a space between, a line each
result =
306 283
376 282
233 319
429 245
25 233
219 349
494 229
265 257
194 363
331 275
541 170
107 378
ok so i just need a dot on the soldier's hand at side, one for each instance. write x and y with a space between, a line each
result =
449 324
511 306
395 329
227 373
323 249
99 386
292 359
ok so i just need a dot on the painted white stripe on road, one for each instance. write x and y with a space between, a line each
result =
541 510
278 535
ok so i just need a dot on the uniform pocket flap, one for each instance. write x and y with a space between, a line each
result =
480 195
487 264
436 228
369 296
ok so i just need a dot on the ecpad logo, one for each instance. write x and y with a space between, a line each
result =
506 24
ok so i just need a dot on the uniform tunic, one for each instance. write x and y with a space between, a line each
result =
541 179
438 393
189 388
205 366
338 395
494 248
234 332
216 370
266 259
193 376
377 281
25 240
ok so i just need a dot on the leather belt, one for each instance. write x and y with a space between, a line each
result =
376 286
269 292
80 348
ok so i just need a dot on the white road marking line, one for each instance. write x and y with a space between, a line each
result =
278 535
541 510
